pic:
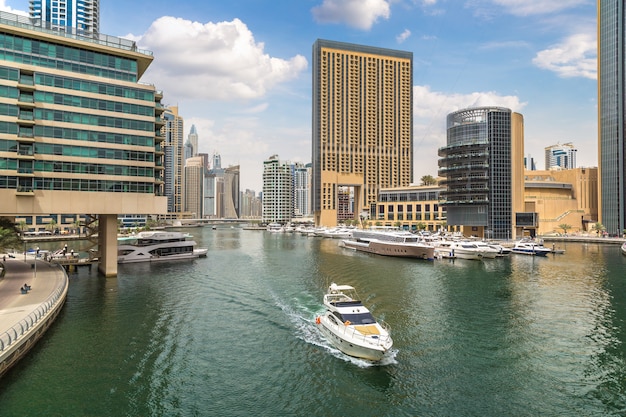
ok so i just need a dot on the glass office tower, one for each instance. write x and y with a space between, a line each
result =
611 97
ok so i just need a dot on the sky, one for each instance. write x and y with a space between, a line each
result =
240 70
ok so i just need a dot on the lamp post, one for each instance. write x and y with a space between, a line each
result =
36 256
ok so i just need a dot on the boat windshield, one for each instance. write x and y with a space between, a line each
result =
359 318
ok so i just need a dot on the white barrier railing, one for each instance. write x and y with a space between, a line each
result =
23 326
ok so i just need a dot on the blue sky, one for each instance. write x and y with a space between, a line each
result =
240 70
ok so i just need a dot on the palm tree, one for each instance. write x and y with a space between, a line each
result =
565 227
22 225
51 225
599 228
428 180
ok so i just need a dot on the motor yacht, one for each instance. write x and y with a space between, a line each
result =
153 246
461 250
624 248
390 243
350 327
529 247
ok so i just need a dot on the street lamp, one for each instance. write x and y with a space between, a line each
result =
36 256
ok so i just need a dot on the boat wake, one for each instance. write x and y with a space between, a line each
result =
303 319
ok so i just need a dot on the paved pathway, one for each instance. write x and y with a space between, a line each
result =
43 281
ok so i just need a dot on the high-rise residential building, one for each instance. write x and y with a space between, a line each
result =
74 16
611 116
362 124
79 134
251 206
214 189
194 181
174 162
561 156
302 189
231 193
277 191
482 164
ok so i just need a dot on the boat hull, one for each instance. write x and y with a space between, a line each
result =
392 249
339 337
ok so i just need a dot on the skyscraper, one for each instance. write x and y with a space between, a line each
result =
174 163
611 119
563 156
193 140
362 124
194 185
80 15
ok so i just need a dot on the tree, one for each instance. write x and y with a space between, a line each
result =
51 225
8 239
599 228
428 180
421 226
565 227
22 225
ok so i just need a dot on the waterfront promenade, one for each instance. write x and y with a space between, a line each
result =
24 317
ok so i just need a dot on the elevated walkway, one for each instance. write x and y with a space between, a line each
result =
26 315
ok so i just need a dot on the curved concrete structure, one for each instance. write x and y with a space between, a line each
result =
25 316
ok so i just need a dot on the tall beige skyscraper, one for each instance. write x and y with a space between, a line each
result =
362 125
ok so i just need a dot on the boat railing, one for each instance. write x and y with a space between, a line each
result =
369 338
27 323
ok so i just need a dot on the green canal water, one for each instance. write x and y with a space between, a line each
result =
234 335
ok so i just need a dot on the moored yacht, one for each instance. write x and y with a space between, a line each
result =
153 246
350 327
390 243
529 247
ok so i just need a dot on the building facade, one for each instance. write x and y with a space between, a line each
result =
74 16
482 164
562 197
78 133
362 124
231 193
410 208
302 190
277 191
194 181
611 118
174 159
561 156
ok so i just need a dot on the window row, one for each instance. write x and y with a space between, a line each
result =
71 184
67 53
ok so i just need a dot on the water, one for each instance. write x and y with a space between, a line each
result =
234 335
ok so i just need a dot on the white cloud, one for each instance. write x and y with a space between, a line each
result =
360 14
5 8
536 7
403 36
576 56
212 61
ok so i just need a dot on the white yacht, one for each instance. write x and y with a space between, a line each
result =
350 327
529 247
153 246
390 243
461 250
489 252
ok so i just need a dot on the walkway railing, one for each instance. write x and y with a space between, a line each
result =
27 323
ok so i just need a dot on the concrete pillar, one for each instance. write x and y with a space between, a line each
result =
107 244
